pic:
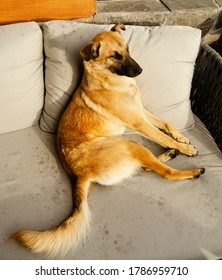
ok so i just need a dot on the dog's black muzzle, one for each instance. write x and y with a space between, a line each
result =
129 67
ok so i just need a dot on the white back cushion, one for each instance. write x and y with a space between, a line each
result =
21 76
167 55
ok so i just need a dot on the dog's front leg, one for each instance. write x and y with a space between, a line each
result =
144 127
163 125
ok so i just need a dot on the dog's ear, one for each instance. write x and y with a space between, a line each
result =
118 26
91 51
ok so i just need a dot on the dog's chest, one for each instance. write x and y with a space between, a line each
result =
128 87
134 90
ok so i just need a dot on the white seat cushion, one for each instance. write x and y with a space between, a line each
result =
144 217
167 55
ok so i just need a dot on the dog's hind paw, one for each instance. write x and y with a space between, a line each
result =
172 153
201 172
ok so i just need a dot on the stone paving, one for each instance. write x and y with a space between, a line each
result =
194 13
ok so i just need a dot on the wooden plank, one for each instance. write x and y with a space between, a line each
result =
40 10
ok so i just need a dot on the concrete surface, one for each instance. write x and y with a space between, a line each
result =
193 13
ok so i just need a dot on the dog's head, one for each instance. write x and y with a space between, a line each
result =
109 51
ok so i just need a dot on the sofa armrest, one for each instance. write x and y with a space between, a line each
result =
206 92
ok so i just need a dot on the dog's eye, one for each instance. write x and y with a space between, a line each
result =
117 56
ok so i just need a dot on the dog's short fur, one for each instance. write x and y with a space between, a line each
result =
106 102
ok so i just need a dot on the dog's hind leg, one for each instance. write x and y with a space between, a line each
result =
168 155
119 158
149 161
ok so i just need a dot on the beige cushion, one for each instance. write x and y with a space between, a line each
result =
167 55
143 217
21 76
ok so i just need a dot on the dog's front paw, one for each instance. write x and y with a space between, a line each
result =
176 135
182 139
188 150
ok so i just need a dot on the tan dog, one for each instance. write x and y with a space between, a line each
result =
106 102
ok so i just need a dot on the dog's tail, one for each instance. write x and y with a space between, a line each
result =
59 240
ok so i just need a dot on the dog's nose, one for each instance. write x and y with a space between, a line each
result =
137 70
140 70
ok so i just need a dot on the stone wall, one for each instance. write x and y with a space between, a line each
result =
195 13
